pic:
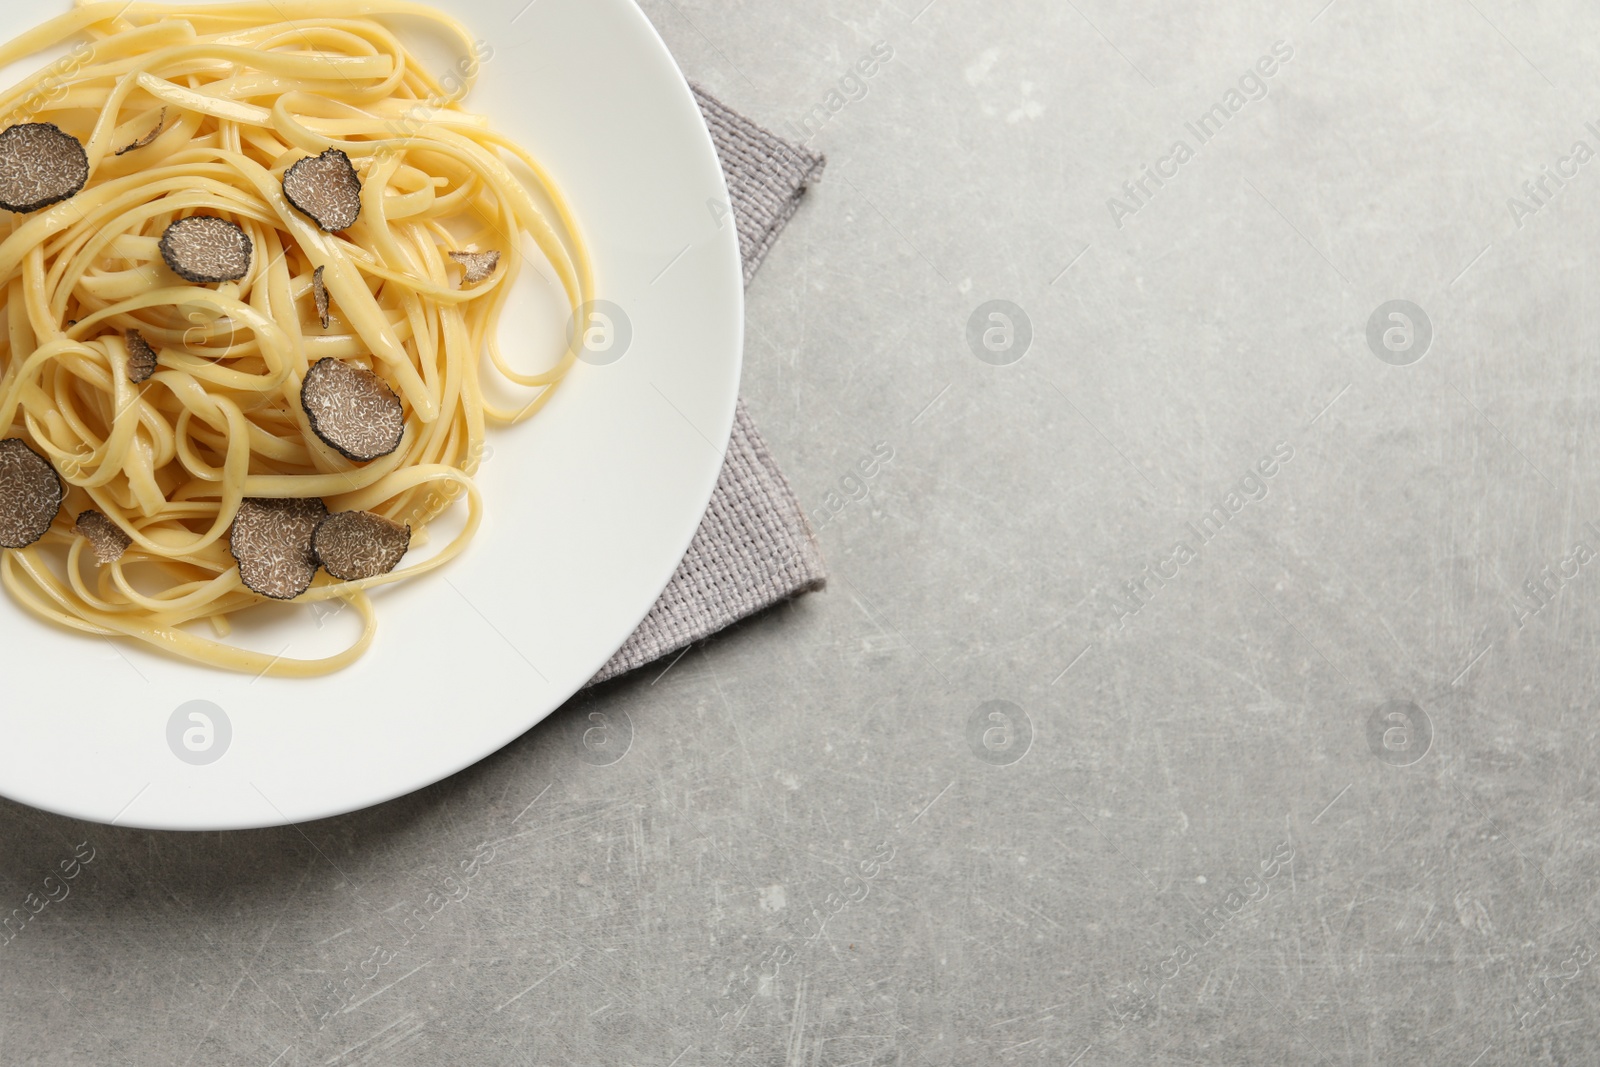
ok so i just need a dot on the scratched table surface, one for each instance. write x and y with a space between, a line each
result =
1197 408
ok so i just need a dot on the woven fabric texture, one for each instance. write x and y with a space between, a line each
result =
754 547
766 175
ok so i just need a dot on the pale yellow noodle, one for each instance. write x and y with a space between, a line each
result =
239 92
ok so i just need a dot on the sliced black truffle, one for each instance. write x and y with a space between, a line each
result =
103 535
40 164
204 248
161 124
271 540
358 544
319 293
352 409
141 357
30 494
479 265
326 188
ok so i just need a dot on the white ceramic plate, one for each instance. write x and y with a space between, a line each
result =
590 505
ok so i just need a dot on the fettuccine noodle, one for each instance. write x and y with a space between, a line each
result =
239 92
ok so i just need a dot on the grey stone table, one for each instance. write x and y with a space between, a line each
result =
1209 677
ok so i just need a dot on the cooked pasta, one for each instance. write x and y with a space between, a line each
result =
189 111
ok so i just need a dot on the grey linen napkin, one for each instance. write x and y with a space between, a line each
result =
754 547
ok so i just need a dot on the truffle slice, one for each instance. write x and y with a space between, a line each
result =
319 293
352 409
141 357
271 540
204 248
479 265
358 544
30 494
103 535
326 188
161 124
40 164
